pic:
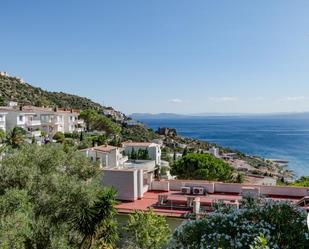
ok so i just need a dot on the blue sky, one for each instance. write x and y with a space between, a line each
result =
163 55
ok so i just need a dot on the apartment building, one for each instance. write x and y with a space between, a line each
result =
28 120
36 119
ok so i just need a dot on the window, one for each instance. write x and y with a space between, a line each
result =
21 118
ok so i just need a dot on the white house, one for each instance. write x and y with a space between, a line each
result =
154 150
215 152
107 156
131 179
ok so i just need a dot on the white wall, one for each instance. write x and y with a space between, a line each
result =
175 185
128 183
125 182
3 121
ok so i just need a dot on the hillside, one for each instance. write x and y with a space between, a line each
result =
13 89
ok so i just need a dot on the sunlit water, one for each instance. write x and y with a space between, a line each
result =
276 137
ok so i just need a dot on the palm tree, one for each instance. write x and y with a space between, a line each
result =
97 224
16 137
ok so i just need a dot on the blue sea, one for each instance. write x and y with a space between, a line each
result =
276 137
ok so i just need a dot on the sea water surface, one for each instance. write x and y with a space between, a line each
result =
274 137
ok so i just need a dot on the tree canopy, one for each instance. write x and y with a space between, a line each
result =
53 199
96 121
146 230
201 167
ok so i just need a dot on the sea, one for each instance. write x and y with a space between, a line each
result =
284 137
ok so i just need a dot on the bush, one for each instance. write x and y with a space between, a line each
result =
282 224
59 137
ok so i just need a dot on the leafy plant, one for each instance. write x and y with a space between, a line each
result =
146 230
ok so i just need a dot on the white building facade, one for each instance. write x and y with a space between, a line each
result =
107 156
36 119
131 179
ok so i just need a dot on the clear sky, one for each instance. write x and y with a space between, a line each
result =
182 56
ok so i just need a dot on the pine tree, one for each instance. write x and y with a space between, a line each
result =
133 154
185 151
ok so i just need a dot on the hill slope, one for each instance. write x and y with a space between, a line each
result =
12 89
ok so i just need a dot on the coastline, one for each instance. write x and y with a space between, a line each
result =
282 166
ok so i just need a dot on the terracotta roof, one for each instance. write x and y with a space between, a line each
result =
102 148
137 144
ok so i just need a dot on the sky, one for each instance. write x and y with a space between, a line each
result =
154 56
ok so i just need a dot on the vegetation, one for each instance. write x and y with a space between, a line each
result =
12 89
302 182
201 167
138 133
52 199
139 155
282 224
2 135
260 242
59 137
146 230
16 137
96 121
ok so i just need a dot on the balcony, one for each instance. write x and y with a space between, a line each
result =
33 122
79 122
79 129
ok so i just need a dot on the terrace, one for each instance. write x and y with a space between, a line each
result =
198 201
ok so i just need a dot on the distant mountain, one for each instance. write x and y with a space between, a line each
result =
145 116
140 116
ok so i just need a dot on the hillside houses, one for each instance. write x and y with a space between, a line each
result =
36 119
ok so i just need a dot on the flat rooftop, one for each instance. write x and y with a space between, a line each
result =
176 204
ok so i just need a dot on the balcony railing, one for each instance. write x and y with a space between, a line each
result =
79 122
33 123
